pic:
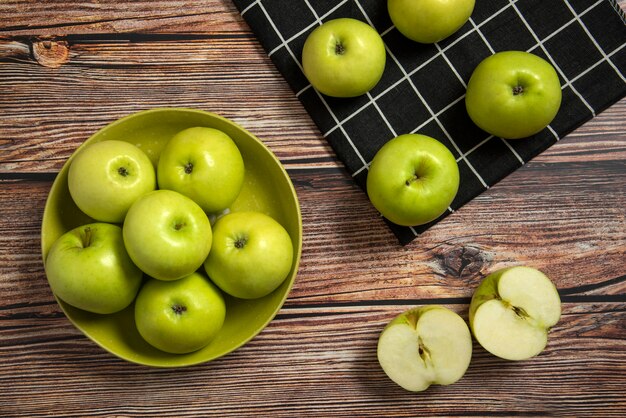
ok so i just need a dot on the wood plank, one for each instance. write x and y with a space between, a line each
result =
25 18
276 370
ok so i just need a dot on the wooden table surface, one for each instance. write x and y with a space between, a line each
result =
69 68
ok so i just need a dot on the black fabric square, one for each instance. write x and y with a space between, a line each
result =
467 54
544 17
433 129
290 68
612 32
440 91
317 110
369 130
573 112
322 7
350 155
393 73
404 110
284 17
470 186
598 83
465 134
409 54
572 50
581 6
357 127
487 9
377 14
256 18
493 160
527 148
508 32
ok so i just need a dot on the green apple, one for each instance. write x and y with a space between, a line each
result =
512 311
344 57
88 267
425 346
412 179
513 94
179 316
167 235
429 21
251 255
205 165
106 177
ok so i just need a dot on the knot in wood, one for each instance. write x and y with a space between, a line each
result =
50 53
463 262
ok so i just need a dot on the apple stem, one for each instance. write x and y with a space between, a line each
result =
412 179
86 237
518 90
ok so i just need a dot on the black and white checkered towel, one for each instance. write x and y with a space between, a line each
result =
423 87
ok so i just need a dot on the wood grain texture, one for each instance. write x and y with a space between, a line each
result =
564 212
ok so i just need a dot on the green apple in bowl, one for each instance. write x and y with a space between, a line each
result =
344 57
89 268
179 316
424 346
205 165
429 21
251 254
412 179
513 94
512 311
105 179
167 234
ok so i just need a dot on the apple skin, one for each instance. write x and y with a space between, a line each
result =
412 179
167 235
344 57
88 267
205 165
429 21
424 346
106 177
179 316
513 94
524 305
251 255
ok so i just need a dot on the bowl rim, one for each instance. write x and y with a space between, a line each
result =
298 247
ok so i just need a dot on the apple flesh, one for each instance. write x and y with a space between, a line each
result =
412 179
105 179
88 267
425 346
203 164
344 57
512 311
179 316
429 21
513 94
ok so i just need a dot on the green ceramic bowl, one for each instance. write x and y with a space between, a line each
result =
267 188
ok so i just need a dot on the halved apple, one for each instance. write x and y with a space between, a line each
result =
424 346
512 311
